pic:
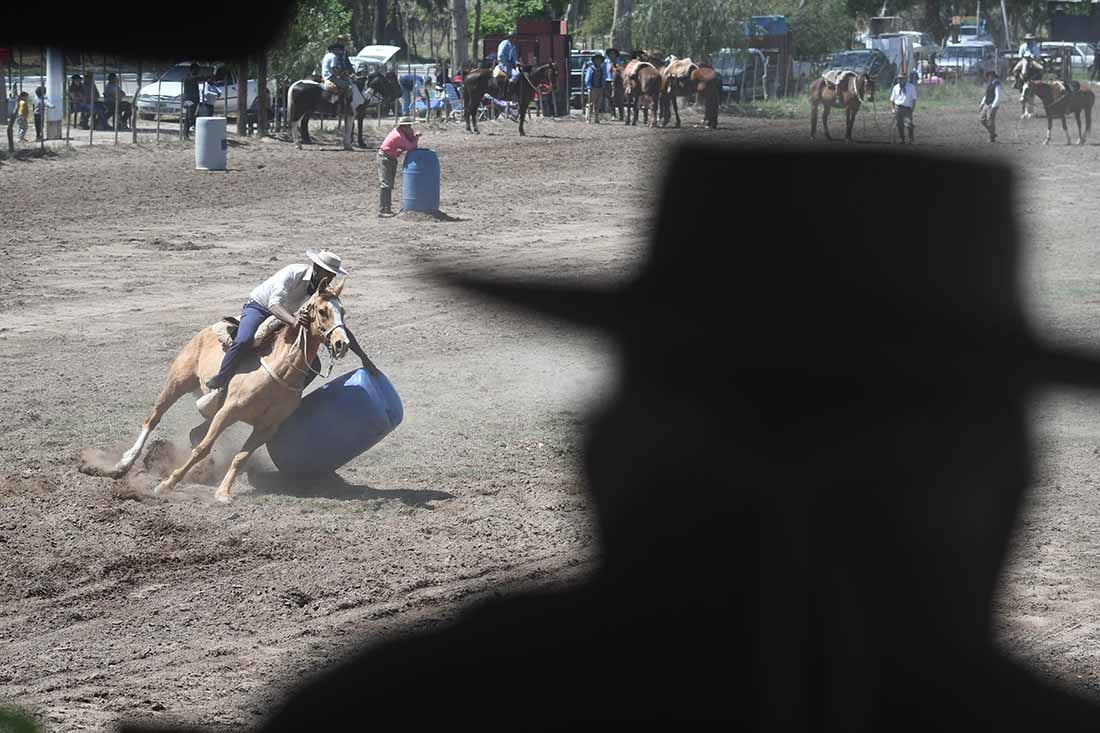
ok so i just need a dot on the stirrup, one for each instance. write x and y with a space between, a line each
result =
209 404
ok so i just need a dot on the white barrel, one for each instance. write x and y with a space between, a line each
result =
210 143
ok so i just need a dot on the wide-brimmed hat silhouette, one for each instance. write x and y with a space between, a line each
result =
796 272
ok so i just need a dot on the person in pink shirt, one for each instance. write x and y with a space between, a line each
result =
400 139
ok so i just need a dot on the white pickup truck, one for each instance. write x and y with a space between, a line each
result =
165 94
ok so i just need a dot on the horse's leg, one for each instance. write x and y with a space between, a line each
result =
1050 122
224 418
523 102
1065 129
813 119
676 110
255 440
177 386
850 115
345 115
826 108
359 123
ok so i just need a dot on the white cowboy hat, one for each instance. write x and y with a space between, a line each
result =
405 121
327 260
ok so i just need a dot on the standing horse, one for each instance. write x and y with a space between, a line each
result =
528 84
618 96
1026 69
641 84
476 83
675 82
264 391
848 92
682 79
306 98
479 82
1056 103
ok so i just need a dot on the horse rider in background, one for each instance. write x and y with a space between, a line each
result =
1030 47
991 102
506 62
903 98
336 69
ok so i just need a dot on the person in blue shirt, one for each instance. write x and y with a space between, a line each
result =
593 79
506 54
336 69
609 61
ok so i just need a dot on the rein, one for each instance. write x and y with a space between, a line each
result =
301 341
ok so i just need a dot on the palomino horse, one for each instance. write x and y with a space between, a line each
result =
1026 69
1056 103
848 93
306 97
641 84
263 392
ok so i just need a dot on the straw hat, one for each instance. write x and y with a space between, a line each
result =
328 260
405 121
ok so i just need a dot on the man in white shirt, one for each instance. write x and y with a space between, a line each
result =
1030 47
903 99
281 295
991 101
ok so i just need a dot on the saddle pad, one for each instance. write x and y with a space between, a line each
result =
834 76
226 330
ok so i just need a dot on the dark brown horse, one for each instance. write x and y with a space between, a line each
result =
641 84
306 98
683 78
479 82
1057 103
848 92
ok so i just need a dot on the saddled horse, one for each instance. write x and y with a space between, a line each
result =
683 78
675 82
641 85
264 391
1026 69
479 82
848 90
306 97
1057 102
617 103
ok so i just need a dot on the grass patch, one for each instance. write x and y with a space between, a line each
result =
13 720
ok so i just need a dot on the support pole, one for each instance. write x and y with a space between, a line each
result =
242 99
134 116
41 126
156 70
55 92
118 93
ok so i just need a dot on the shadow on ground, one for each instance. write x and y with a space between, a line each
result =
333 486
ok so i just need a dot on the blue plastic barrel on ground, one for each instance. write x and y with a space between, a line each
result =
420 181
336 423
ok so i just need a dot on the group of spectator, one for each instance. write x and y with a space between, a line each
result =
598 79
96 111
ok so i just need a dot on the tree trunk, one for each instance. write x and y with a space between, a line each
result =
242 97
264 98
380 21
477 29
458 27
620 25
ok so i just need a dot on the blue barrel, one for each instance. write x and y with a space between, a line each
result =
336 423
420 181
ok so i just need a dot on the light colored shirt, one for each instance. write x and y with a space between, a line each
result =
904 96
396 143
289 287
996 96
38 103
1029 49
506 53
328 63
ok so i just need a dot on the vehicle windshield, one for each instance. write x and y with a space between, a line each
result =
179 73
851 60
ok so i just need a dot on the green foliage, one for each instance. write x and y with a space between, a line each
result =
687 27
16 721
303 43
820 28
601 13
500 16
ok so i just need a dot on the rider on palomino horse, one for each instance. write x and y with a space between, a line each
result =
336 70
281 296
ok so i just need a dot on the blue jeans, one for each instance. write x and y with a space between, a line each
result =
252 315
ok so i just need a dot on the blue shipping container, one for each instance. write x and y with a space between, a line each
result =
334 424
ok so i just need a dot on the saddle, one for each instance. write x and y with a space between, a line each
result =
499 73
226 330
833 77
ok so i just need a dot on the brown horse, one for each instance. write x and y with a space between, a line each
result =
684 78
528 84
479 82
848 92
1057 103
475 85
641 84
264 391
1026 69
675 82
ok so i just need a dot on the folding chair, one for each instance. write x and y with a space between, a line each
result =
454 101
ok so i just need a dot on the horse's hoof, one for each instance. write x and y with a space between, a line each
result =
162 487
223 498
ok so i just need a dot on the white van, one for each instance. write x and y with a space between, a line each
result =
165 94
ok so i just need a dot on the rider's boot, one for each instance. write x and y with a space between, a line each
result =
209 404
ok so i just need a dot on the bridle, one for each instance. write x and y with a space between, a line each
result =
301 341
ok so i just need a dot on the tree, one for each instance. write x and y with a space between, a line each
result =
299 49
459 22
477 27
620 24
380 21
693 28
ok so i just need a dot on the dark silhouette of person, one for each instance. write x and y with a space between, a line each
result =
805 485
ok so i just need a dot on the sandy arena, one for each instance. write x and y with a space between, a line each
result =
118 604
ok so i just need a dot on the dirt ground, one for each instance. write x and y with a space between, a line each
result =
118 604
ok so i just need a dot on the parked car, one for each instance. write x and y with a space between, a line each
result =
870 61
970 60
1081 54
168 90
742 72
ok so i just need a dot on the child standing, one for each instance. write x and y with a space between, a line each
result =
41 103
22 114
400 139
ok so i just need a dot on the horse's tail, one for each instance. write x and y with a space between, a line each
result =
292 107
